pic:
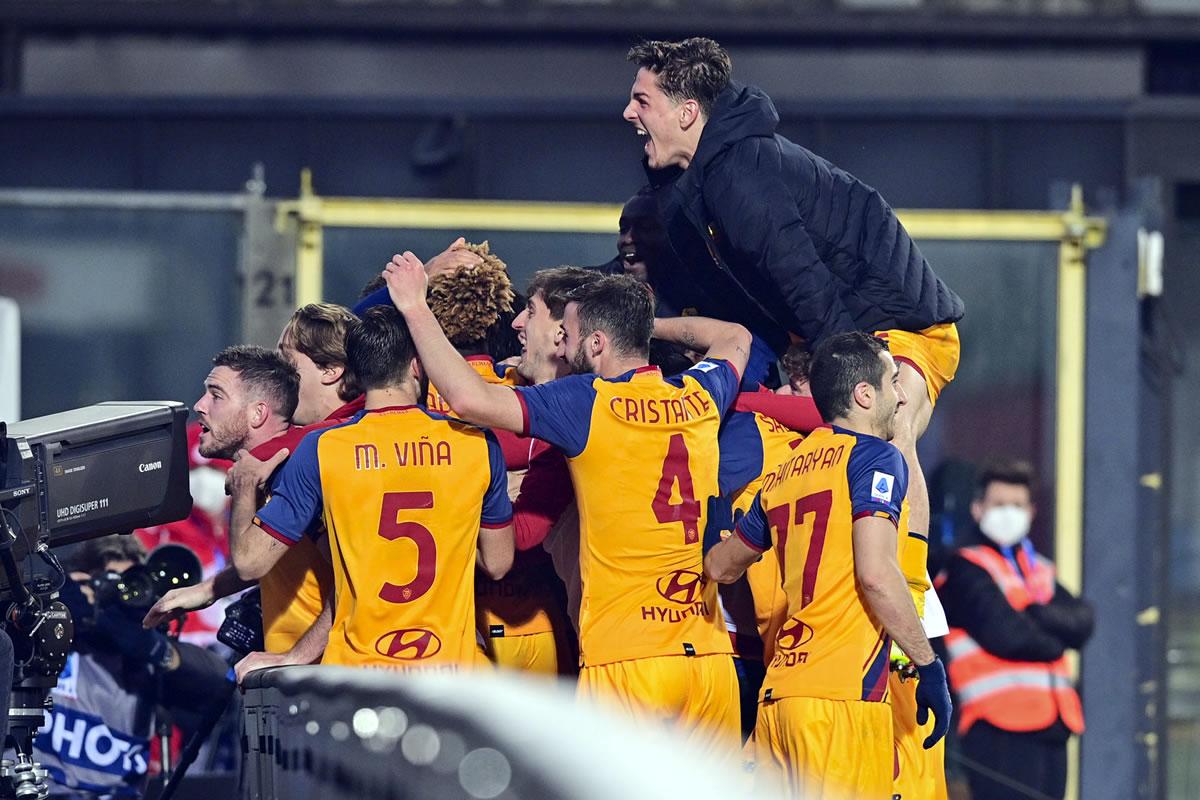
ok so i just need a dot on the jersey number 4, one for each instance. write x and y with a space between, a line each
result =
675 472
780 518
391 528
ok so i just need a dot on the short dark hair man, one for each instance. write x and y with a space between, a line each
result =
295 591
249 396
832 510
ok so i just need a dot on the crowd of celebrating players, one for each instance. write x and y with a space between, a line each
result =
587 482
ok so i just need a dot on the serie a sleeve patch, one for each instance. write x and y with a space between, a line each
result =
881 486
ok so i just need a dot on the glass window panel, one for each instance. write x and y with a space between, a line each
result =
1001 403
118 304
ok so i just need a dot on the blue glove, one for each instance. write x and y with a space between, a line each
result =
720 520
933 694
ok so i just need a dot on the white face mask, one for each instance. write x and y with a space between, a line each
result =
208 490
1005 525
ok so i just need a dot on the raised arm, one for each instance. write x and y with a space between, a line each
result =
728 341
471 398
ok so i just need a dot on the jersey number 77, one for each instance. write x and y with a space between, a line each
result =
780 518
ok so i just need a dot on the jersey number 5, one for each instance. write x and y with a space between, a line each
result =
687 510
779 518
392 529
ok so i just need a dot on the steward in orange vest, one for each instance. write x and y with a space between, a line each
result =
1014 695
1011 624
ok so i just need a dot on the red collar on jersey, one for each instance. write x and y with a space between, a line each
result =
391 408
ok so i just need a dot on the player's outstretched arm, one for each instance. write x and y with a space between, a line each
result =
886 594
496 551
470 397
178 602
719 340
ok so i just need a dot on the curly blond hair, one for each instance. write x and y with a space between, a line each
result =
469 301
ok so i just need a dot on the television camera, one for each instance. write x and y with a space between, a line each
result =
66 478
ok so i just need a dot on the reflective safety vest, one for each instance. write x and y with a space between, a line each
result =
1014 696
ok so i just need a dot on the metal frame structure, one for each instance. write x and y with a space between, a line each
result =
1075 232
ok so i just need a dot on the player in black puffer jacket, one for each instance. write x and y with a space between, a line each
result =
774 232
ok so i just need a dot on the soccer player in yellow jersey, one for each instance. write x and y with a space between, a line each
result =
752 447
411 500
642 452
521 618
831 510
297 589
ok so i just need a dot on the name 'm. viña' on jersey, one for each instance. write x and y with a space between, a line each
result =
642 452
404 492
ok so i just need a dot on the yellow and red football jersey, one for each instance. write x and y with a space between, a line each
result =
520 603
752 446
829 646
293 590
486 367
643 457
293 594
404 493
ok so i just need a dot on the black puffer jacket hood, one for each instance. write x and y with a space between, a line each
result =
739 113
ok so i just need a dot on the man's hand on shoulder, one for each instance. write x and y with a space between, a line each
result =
248 473
406 281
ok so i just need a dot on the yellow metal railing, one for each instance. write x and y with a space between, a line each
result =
1074 231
